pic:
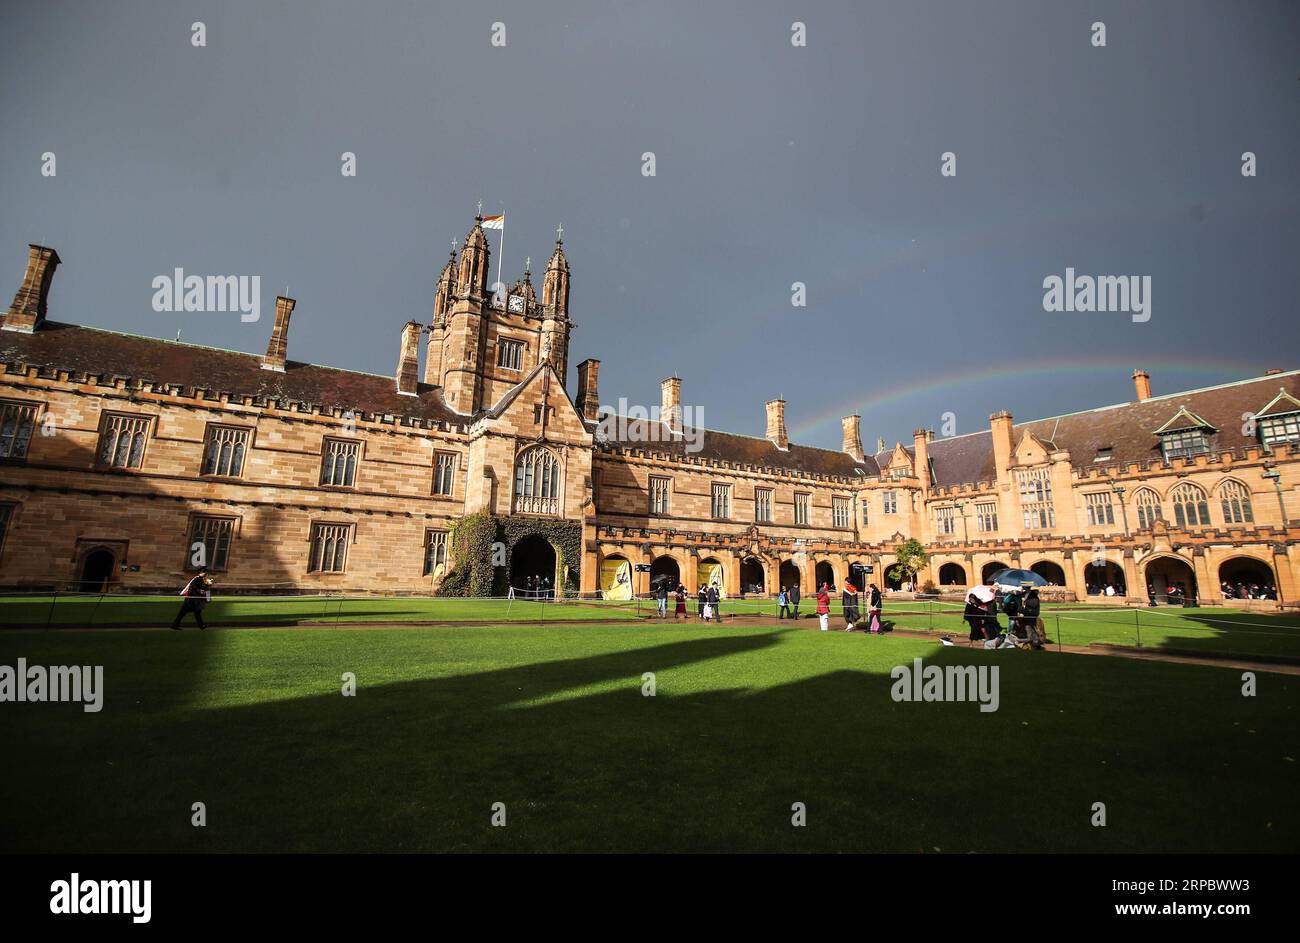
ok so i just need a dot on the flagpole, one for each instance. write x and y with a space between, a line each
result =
501 258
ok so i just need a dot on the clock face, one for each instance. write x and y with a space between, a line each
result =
516 303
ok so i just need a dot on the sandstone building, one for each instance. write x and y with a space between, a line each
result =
120 456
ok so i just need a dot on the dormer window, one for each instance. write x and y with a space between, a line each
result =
1105 454
1184 435
1184 444
1279 421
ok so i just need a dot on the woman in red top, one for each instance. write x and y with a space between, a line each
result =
824 606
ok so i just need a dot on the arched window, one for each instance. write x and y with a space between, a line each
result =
1236 503
537 482
1148 507
1190 506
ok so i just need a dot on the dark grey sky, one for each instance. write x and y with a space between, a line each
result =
775 164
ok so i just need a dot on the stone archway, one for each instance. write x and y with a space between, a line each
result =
1243 573
533 567
98 568
753 579
987 571
825 573
1166 573
790 575
664 569
1052 572
952 574
1099 574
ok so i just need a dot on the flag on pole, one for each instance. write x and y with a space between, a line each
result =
494 222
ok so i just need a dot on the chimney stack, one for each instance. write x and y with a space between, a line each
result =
1272 371
853 437
921 457
408 362
776 424
670 402
880 444
28 310
277 348
1142 383
1002 442
588 397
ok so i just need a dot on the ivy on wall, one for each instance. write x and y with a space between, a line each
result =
472 540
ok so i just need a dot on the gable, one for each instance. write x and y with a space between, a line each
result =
520 412
1030 451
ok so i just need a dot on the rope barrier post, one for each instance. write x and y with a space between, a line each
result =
1058 632
95 610
49 616
1137 625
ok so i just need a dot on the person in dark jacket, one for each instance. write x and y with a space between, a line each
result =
849 601
974 615
661 597
794 601
196 594
701 598
873 609
1028 618
714 598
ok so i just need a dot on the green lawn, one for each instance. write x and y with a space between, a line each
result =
92 610
551 721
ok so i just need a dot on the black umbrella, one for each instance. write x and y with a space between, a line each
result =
1016 578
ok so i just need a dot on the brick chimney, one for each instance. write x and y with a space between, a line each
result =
776 424
921 457
670 402
277 348
408 362
28 310
1142 383
853 436
588 401
1002 442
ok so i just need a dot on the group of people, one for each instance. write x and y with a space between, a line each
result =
1097 589
1022 610
788 600
707 602
1252 591
535 587
1174 595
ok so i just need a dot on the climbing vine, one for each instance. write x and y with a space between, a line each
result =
473 542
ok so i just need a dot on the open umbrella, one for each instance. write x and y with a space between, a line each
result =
1015 579
982 593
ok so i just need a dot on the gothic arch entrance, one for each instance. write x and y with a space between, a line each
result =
97 570
533 557
752 578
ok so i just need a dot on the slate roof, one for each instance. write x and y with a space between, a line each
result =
87 350
1127 429
743 450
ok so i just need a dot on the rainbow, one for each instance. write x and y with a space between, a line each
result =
1109 367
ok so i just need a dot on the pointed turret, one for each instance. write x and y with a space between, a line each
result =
555 283
473 275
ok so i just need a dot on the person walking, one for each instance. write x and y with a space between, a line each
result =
715 597
661 598
873 610
824 607
849 601
701 600
196 592
794 601
783 600
681 604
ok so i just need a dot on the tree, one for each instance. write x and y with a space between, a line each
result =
912 559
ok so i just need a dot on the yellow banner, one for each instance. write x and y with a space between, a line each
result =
710 573
616 579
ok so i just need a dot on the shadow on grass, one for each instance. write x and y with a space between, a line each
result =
583 761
